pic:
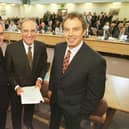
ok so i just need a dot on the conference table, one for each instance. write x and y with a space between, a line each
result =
106 46
117 96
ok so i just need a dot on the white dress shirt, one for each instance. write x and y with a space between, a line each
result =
73 51
26 48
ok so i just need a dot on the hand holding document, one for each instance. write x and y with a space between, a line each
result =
31 95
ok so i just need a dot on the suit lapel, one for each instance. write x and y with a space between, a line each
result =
35 56
75 61
23 52
61 59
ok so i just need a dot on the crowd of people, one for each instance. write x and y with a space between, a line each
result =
98 24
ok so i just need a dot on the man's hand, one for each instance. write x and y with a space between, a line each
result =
49 94
38 83
19 90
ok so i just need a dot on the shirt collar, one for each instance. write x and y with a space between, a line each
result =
26 46
75 49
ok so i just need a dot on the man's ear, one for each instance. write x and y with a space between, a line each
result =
84 33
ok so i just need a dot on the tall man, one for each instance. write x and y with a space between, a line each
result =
77 80
4 94
26 63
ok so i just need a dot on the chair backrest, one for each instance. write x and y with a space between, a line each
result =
99 116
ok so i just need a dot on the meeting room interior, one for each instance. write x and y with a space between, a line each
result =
107 33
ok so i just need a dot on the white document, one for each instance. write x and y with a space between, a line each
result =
31 95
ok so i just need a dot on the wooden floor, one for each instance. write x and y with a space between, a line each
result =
115 66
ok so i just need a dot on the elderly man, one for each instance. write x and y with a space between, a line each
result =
26 63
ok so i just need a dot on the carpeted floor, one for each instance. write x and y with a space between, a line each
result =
120 120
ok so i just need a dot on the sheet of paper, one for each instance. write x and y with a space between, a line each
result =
31 95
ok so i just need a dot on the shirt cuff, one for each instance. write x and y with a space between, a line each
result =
39 78
16 87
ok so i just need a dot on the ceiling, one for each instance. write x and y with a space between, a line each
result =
57 1
76 1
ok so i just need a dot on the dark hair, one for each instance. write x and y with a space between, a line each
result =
75 15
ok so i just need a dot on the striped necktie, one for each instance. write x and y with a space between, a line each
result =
66 61
29 55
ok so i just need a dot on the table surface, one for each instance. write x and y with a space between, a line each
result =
106 46
117 93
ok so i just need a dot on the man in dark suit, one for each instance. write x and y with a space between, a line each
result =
26 63
76 89
4 95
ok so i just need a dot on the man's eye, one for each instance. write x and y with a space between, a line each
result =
66 30
1 33
76 29
32 31
25 31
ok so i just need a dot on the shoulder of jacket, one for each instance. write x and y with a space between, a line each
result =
39 43
13 44
62 44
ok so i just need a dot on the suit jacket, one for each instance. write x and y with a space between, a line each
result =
18 67
3 76
80 88
4 94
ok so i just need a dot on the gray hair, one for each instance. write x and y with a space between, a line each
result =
29 19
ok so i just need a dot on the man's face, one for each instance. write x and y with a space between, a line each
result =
1 35
28 32
73 32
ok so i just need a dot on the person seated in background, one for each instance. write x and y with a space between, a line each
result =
98 28
12 27
50 27
58 28
42 28
106 32
127 28
112 28
123 35
116 31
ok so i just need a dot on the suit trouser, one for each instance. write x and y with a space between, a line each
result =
19 111
70 121
2 119
4 103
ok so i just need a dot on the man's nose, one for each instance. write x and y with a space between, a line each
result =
71 32
29 33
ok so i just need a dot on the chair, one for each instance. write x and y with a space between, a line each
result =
99 116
